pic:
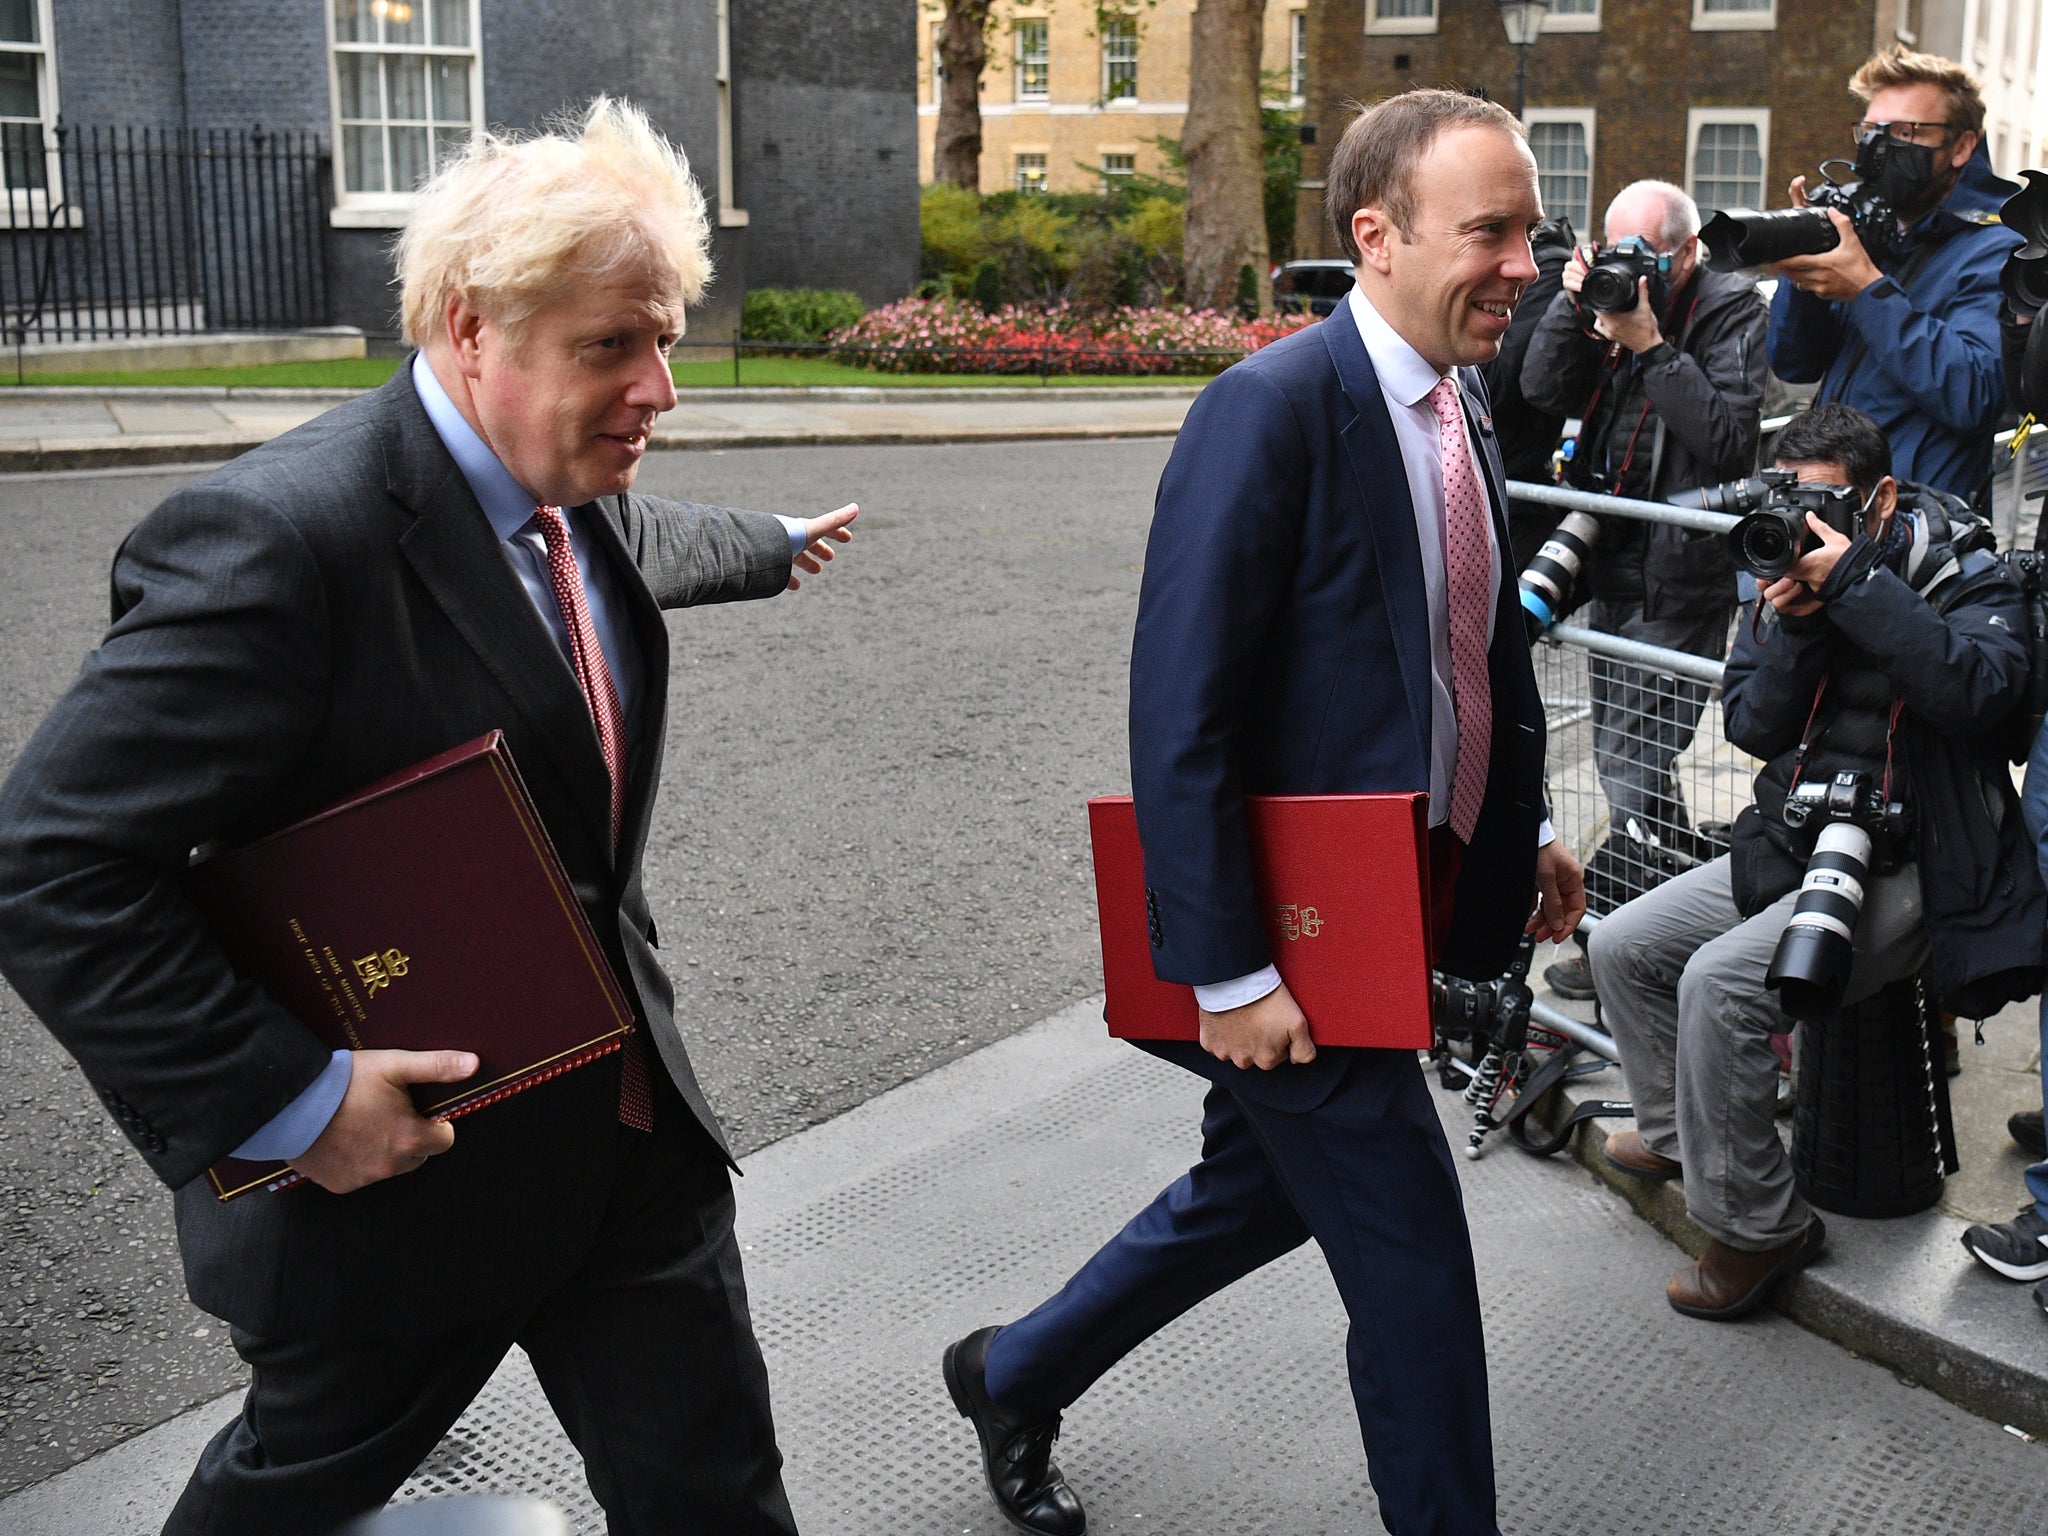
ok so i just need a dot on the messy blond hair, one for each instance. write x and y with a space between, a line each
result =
1898 65
516 222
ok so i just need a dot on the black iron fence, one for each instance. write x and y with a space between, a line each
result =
112 232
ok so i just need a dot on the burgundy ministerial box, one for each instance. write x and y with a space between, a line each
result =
1344 884
427 911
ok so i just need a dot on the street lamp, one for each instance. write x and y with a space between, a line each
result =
1523 20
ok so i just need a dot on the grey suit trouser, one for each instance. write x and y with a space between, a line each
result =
1681 980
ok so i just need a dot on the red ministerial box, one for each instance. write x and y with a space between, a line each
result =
426 911
1343 881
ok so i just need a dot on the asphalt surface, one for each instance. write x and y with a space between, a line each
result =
870 854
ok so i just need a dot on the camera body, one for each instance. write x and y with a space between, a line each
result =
1850 799
1740 238
1610 284
1849 829
1481 1011
1769 541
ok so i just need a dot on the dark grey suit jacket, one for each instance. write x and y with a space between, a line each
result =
323 611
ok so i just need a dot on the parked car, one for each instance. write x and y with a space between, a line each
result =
1311 287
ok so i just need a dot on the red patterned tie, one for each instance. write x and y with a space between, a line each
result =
636 1095
1469 552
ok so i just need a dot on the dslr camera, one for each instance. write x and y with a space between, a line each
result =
1773 533
1739 238
1482 1012
1849 829
1610 285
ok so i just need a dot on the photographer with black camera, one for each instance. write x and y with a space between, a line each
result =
1872 678
1664 361
1906 329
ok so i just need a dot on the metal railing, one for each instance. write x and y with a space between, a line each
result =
116 232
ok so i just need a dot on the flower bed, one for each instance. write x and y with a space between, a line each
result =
948 336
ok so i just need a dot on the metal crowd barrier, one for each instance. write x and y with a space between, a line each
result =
1651 718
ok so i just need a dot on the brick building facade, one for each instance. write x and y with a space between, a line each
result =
810 153
1729 98
1069 96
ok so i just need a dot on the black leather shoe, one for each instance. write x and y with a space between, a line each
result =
1016 1455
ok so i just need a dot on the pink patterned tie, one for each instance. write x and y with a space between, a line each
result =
1469 556
594 677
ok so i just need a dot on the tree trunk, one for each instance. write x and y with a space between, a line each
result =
1224 145
963 50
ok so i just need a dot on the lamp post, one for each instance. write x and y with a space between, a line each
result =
1523 20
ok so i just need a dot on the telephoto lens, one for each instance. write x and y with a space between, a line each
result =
1811 966
1739 238
1737 498
1547 584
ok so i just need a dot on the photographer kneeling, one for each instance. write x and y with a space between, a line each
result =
1889 656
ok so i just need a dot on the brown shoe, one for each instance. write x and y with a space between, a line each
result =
1626 1152
1729 1282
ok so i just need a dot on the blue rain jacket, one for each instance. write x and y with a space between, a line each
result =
1922 357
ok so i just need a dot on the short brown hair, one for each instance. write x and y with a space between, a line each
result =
1899 65
1374 164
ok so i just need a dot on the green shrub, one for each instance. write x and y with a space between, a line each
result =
798 314
949 221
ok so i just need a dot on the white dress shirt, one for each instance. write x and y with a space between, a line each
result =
1406 379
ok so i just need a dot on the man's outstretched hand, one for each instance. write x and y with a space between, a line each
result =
820 534
1560 894
1264 1034
376 1133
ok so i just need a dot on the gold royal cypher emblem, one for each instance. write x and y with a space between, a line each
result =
378 971
1299 922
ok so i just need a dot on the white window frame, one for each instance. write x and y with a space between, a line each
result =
1126 103
1017 92
1704 20
730 214
1128 152
29 207
389 210
1400 26
1297 57
1759 118
938 67
1044 167
1587 118
1588 21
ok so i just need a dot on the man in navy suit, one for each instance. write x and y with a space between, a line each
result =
1326 608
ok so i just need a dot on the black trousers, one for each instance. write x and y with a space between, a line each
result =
1368 1175
647 1357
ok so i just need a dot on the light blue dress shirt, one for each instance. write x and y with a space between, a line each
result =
510 508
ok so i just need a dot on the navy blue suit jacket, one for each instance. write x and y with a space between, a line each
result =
1283 647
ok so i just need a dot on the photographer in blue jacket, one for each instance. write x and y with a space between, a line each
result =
1909 335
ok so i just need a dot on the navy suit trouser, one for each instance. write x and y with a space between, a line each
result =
1368 1174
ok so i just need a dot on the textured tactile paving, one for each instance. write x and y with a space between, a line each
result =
1612 1413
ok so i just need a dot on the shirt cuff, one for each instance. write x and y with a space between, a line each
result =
1222 996
299 1124
1546 834
794 527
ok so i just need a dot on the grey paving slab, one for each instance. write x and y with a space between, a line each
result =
167 415
29 420
966 1195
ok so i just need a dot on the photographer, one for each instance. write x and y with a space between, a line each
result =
1528 433
1894 654
1671 391
1909 334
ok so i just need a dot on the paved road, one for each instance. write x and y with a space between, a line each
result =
869 855
869 859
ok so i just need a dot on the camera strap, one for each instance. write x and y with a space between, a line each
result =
1806 741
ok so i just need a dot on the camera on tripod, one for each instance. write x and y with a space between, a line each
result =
1482 1011
1850 829
1773 534
1610 283
1738 238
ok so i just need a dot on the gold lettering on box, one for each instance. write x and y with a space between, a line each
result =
378 970
1298 922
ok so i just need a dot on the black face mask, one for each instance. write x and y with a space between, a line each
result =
1904 175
